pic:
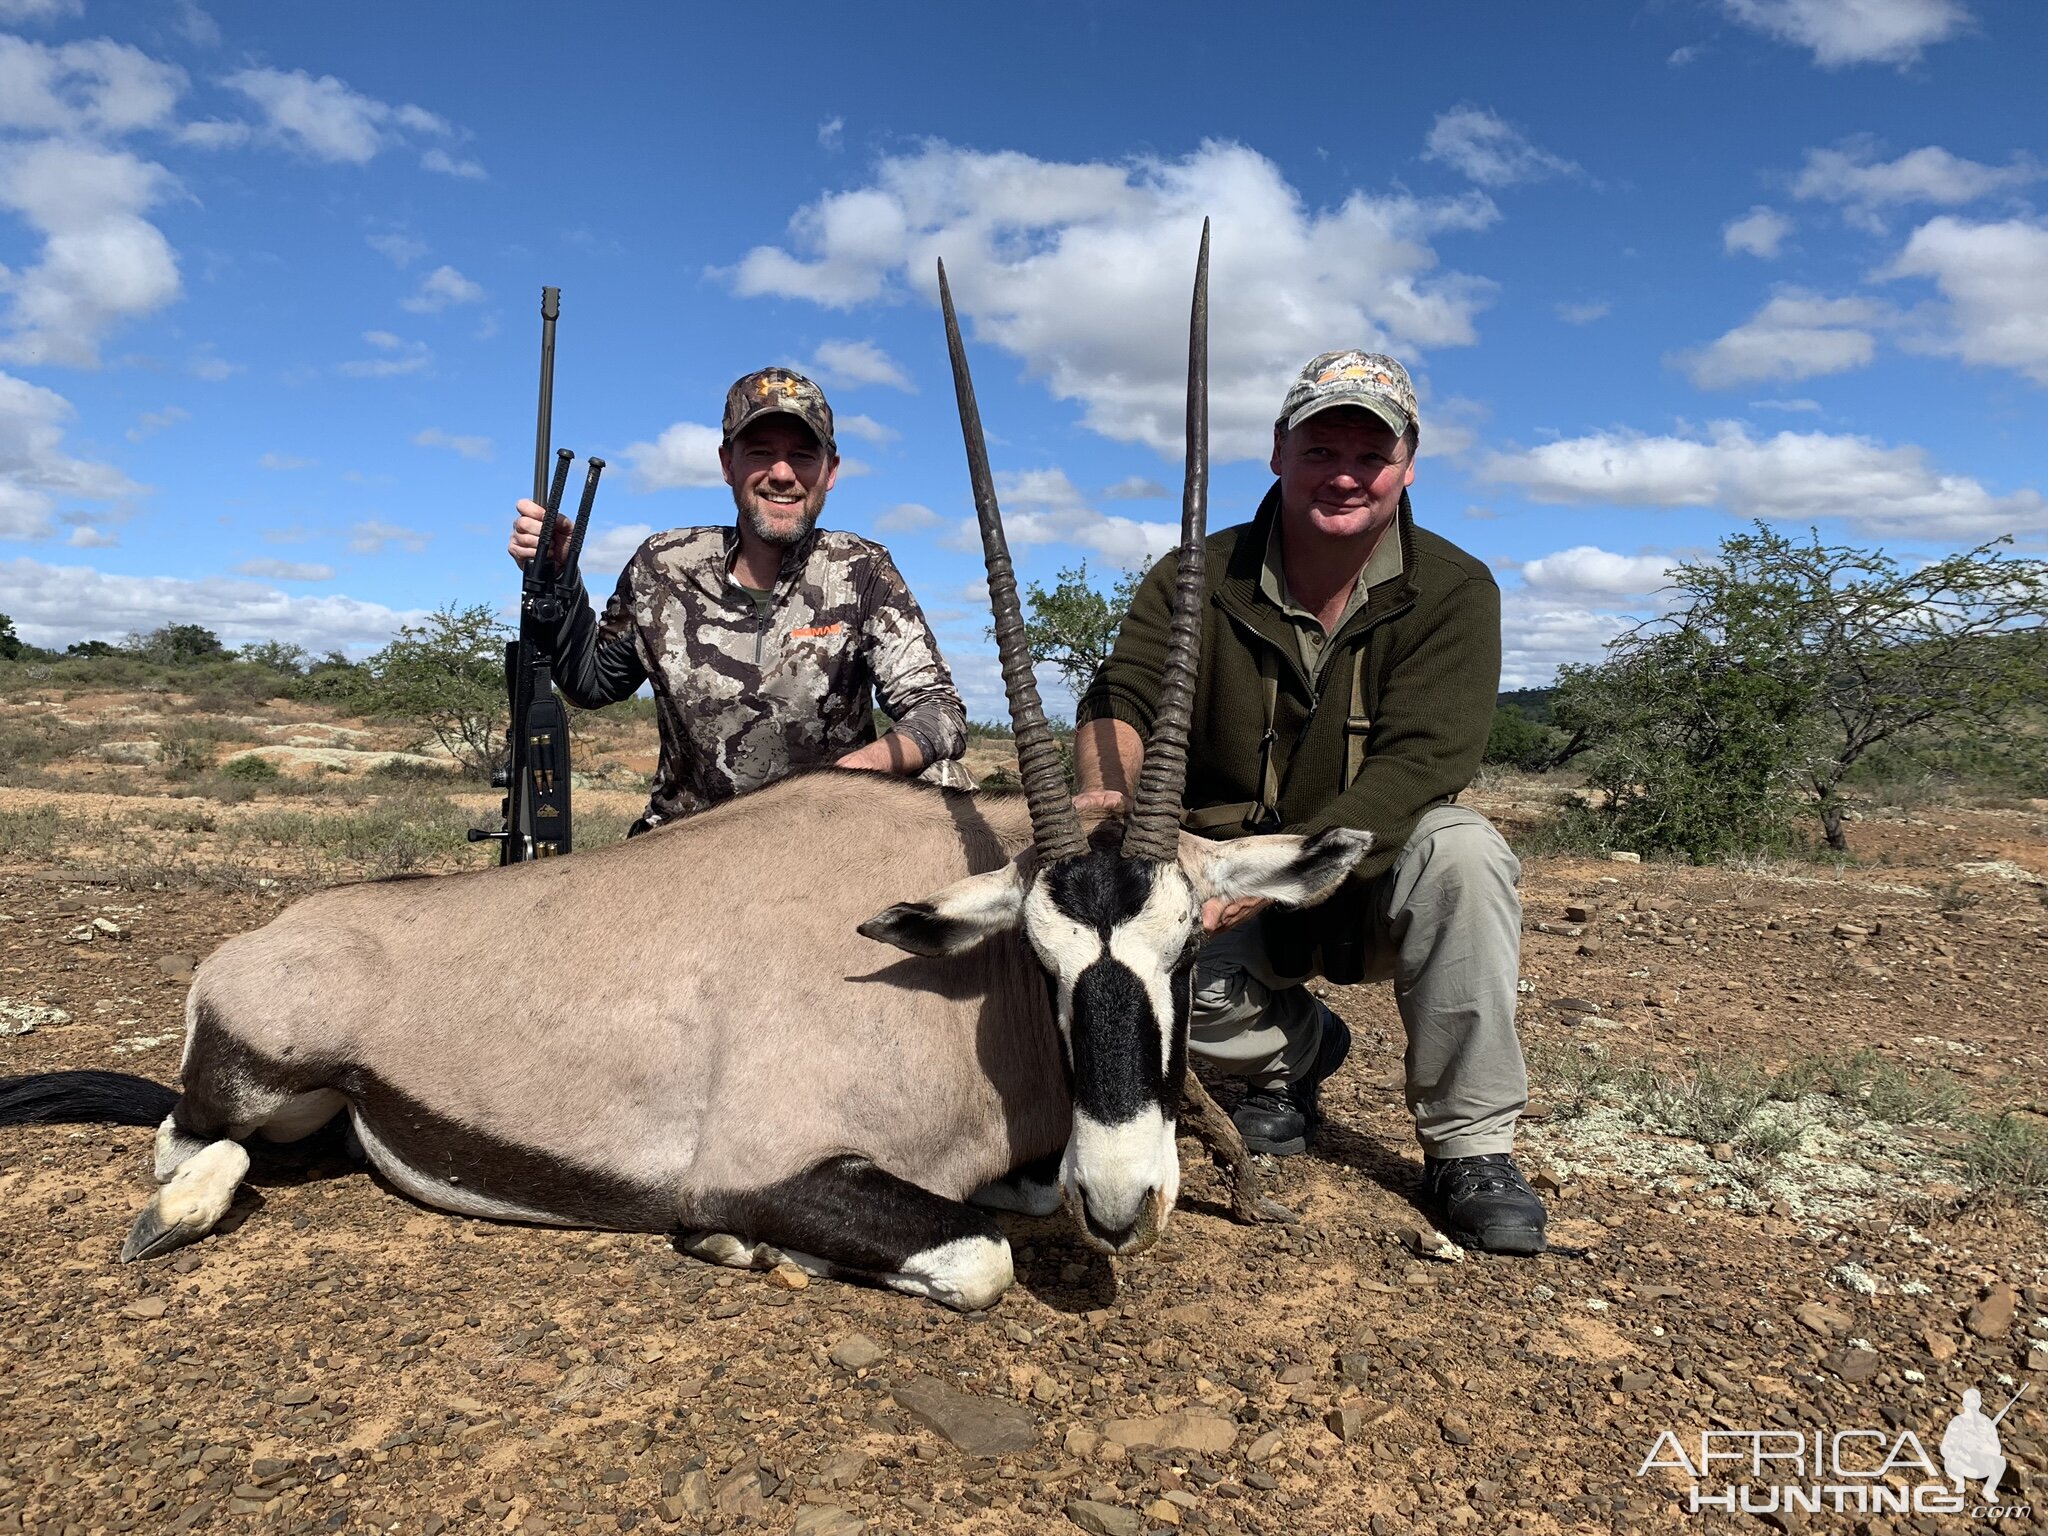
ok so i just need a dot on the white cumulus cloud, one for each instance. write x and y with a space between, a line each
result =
1851 174
1797 335
36 474
908 517
18 12
285 570
1588 573
54 605
372 536
1084 269
853 363
684 456
149 423
401 357
1042 506
1994 279
865 427
1759 232
327 119
1484 147
1791 476
1855 31
101 262
440 288
442 163
468 447
86 88
399 249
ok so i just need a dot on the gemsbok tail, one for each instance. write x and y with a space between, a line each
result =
99 1098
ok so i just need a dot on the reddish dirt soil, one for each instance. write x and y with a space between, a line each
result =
340 1359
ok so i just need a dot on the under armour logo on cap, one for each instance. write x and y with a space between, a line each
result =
778 392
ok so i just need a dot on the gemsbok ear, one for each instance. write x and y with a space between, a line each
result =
1287 870
956 918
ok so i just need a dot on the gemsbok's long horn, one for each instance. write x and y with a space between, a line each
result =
1055 826
1153 831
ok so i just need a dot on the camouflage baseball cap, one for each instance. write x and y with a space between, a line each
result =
778 391
1369 379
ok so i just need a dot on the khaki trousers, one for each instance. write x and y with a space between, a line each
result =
1446 929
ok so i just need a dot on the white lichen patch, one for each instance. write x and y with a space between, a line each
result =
1835 1163
19 1017
2002 869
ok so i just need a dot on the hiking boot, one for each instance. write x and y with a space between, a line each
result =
1483 1202
1285 1124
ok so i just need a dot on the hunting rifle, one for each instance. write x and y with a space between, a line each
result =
535 776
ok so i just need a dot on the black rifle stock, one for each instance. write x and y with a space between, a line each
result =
536 773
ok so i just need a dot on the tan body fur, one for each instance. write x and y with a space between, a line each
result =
691 1012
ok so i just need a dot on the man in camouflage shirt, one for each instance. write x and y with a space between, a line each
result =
766 641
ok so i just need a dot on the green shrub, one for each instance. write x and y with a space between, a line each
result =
251 769
1516 741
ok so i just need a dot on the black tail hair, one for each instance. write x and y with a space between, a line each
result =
100 1098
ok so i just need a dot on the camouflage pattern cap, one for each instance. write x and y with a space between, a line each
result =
1369 379
778 391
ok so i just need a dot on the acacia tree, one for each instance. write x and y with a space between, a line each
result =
1782 665
1072 625
448 675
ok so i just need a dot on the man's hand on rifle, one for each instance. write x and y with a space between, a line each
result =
525 543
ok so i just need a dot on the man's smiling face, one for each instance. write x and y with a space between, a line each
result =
1342 473
779 473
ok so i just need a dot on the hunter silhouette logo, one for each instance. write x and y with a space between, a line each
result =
1858 1470
1969 1446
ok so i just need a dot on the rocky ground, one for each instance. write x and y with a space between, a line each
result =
1766 1119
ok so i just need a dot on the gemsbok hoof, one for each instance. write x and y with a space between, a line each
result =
190 1205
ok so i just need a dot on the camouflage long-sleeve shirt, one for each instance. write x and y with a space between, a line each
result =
745 697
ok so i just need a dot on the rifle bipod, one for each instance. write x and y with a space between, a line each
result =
535 775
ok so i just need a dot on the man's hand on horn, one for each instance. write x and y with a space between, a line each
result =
525 541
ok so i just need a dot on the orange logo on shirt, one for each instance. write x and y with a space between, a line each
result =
815 631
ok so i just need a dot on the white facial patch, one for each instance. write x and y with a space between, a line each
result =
1114 1169
1064 947
1150 944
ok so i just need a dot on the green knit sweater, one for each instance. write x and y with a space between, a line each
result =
1430 639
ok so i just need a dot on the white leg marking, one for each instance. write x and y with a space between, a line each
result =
301 1115
173 1149
1026 1196
191 1204
966 1274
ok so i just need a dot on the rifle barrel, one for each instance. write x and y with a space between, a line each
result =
550 307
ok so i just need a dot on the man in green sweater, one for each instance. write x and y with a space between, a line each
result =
1350 662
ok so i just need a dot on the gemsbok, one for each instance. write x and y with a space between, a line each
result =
700 1030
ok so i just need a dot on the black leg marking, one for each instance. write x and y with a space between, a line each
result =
856 1216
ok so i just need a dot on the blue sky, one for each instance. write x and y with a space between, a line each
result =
269 282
